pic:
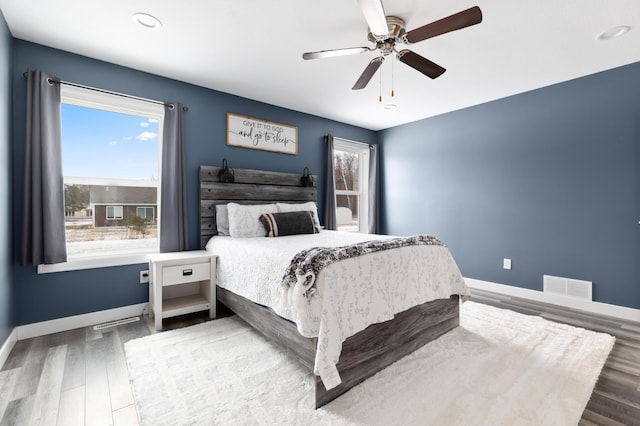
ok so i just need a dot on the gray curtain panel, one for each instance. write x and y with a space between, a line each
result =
174 231
330 221
374 196
43 234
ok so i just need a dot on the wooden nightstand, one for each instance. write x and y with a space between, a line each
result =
181 283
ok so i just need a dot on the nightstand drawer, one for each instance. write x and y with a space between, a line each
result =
172 275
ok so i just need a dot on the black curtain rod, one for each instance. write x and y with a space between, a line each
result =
54 80
370 145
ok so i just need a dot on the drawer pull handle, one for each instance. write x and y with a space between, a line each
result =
187 272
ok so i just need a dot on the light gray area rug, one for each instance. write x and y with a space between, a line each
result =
498 368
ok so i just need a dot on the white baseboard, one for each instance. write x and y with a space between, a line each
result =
621 312
8 344
69 323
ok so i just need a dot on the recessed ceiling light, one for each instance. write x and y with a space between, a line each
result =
613 32
390 106
146 21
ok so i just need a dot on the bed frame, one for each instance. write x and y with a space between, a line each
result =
363 354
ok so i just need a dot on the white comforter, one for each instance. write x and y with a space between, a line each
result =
351 294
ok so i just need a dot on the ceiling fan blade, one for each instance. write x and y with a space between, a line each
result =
457 21
335 52
420 63
374 15
368 72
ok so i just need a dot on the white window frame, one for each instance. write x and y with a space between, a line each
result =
125 105
145 208
362 193
115 214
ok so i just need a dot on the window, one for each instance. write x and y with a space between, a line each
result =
145 213
114 212
351 163
111 149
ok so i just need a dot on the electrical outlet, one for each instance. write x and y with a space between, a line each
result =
144 276
506 263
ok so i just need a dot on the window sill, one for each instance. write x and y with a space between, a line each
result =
95 262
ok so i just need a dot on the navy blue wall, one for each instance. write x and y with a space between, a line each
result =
6 312
49 296
548 178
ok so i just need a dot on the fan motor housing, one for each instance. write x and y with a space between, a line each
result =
386 43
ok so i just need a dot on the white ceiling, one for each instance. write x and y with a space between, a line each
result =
253 48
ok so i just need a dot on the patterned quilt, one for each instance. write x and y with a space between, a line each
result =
307 264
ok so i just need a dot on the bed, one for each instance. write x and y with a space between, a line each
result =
371 345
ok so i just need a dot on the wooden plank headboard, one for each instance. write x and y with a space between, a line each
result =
250 187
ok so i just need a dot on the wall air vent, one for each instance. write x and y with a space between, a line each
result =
115 323
567 287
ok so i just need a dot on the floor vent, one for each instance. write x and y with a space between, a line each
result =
567 287
115 323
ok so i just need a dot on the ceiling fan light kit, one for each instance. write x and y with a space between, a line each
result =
386 32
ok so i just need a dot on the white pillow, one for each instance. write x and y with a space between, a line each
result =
244 220
296 207
222 219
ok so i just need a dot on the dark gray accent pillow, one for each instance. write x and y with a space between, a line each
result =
288 223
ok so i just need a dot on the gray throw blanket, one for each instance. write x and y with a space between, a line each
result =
306 264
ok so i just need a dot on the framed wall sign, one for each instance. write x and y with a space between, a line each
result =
248 132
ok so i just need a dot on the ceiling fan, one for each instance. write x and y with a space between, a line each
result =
388 31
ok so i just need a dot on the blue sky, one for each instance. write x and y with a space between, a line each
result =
103 144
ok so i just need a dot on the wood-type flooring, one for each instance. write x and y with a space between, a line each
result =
80 376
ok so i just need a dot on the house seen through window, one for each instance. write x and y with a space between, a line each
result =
111 172
351 166
114 212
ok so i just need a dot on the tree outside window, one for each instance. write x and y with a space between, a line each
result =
351 177
76 198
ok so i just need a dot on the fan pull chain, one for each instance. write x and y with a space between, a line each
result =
392 80
380 87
